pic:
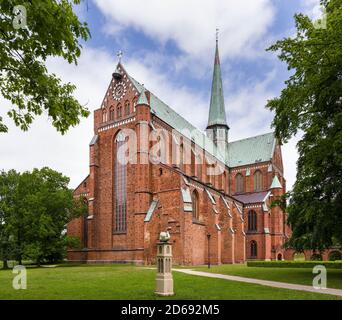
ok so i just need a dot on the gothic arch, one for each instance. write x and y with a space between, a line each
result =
104 115
252 221
239 183
195 205
111 113
258 180
119 184
118 111
127 108
253 249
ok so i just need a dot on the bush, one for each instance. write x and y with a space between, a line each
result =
316 257
294 264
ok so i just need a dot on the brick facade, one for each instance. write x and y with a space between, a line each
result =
224 217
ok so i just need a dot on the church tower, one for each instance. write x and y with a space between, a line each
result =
217 128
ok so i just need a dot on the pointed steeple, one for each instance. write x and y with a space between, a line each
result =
217 113
142 100
276 183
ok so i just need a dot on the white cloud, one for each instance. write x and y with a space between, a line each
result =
246 110
290 157
42 145
312 8
191 24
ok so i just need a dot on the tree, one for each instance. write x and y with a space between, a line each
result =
311 104
37 211
29 34
8 183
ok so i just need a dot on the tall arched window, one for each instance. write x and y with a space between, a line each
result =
119 111
257 181
127 108
104 115
111 113
193 162
252 221
254 249
199 167
85 226
120 179
195 205
224 181
181 157
134 103
239 183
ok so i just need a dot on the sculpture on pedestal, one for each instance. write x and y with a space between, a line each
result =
164 280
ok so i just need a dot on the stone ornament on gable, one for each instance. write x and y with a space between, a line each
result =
164 236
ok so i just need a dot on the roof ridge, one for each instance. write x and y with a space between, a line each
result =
248 138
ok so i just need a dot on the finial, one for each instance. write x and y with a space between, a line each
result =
119 55
217 33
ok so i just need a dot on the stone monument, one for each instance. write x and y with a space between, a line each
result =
164 280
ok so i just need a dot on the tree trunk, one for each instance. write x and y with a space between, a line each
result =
5 264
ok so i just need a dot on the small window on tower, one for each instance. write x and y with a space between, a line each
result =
104 116
127 108
134 103
119 111
111 113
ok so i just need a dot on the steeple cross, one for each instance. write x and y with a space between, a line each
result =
217 33
119 55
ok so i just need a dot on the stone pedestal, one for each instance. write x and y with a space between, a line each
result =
164 280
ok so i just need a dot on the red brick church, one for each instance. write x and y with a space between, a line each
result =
223 215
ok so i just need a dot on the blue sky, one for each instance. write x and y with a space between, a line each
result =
169 46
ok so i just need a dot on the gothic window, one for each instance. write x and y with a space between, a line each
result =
120 179
85 226
127 108
224 182
257 181
252 221
134 103
199 167
254 249
195 206
239 183
181 157
119 111
193 161
104 116
111 113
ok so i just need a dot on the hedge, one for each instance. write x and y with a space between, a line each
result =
295 264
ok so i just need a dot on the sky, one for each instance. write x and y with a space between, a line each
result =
168 46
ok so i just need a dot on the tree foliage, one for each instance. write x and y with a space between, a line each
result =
52 30
311 104
34 209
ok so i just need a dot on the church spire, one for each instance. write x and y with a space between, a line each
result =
217 113
217 129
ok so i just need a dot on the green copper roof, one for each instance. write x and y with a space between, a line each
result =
251 150
142 98
217 113
176 121
242 152
275 183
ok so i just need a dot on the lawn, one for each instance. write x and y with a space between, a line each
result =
130 282
290 275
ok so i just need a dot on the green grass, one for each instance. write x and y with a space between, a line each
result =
130 282
290 275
